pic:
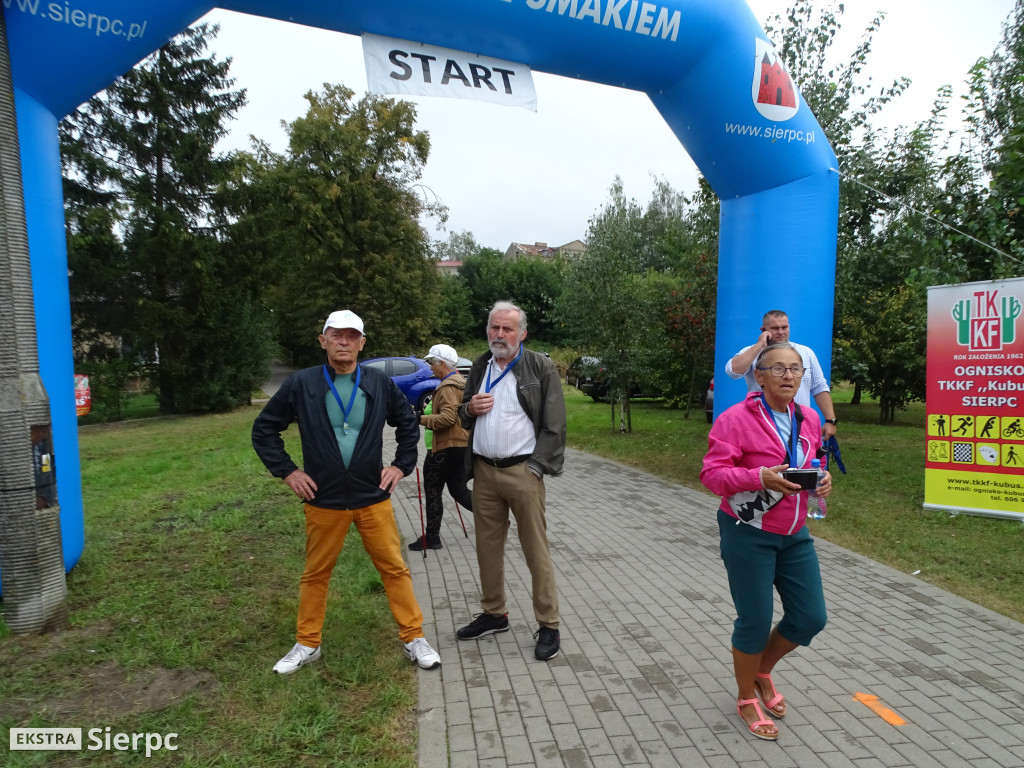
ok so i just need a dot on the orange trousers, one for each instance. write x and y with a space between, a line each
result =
325 535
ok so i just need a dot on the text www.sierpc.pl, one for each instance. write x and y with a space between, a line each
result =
772 133
64 13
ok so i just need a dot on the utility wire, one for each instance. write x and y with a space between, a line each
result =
926 215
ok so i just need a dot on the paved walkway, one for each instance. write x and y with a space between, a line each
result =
645 674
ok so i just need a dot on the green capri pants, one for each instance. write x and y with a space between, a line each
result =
758 562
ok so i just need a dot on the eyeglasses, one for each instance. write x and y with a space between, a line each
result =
780 370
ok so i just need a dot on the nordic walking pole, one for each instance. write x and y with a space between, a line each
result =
461 520
423 527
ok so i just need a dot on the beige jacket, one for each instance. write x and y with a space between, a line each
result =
444 419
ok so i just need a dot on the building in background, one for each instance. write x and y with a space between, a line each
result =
544 251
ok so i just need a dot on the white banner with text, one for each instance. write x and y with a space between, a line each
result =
412 69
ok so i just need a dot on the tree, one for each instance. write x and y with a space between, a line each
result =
97 261
876 169
155 275
340 211
457 323
693 254
533 284
995 124
483 275
616 295
458 247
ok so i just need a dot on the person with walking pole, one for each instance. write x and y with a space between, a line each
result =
445 463
342 409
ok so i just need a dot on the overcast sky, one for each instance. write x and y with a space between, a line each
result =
512 175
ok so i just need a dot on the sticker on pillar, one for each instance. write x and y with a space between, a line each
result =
83 395
772 90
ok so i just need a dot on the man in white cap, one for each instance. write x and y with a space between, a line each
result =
445 462
338 405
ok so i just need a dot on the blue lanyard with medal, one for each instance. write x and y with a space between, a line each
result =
791 451
351 401
489 386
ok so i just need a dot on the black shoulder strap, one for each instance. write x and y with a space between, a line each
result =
798 414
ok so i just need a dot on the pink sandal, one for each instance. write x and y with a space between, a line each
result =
776 699
762 720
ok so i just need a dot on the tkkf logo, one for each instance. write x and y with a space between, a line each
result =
986 322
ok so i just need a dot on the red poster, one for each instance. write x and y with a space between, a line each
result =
83 397
974 459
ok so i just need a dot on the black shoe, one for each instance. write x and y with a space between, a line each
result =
433 542
483 624
547 643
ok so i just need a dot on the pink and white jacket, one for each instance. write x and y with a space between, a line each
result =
744 439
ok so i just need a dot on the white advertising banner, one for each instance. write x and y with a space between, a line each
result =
412 69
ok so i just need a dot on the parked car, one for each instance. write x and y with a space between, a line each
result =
709 401
463 365
587 374
412 375
584 373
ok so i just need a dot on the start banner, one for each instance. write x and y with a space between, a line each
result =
413 69
974 454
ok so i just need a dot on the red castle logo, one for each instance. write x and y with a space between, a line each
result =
772 89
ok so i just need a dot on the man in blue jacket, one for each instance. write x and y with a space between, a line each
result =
342 409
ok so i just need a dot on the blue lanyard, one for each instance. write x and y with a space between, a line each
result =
489 386
791 454
351 401
449 375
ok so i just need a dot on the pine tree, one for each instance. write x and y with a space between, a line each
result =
188 299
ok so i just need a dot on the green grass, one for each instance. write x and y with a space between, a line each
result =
142 405
192 560
875 509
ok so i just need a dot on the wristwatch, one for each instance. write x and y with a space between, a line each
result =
833 422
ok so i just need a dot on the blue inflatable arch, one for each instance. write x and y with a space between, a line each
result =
706 65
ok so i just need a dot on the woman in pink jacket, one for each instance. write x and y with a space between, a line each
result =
765 544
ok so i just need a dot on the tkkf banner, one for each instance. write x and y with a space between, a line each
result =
974 459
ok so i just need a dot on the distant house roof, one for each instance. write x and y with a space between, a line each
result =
449 266
543 250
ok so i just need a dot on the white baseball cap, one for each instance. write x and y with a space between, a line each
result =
443 352
343 318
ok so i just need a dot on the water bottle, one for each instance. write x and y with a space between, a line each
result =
816 509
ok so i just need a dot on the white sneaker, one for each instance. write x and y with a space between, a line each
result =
299 656
419 650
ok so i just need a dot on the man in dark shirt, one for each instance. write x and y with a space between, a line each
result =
342 409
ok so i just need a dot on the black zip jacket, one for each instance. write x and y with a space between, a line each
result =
301 399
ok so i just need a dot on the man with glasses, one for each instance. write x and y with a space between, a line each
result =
342 410
775 330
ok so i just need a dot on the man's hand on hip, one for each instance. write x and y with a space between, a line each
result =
389 477
302 485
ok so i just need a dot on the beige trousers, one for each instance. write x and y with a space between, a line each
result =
496 492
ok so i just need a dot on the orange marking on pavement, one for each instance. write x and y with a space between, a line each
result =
872 703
